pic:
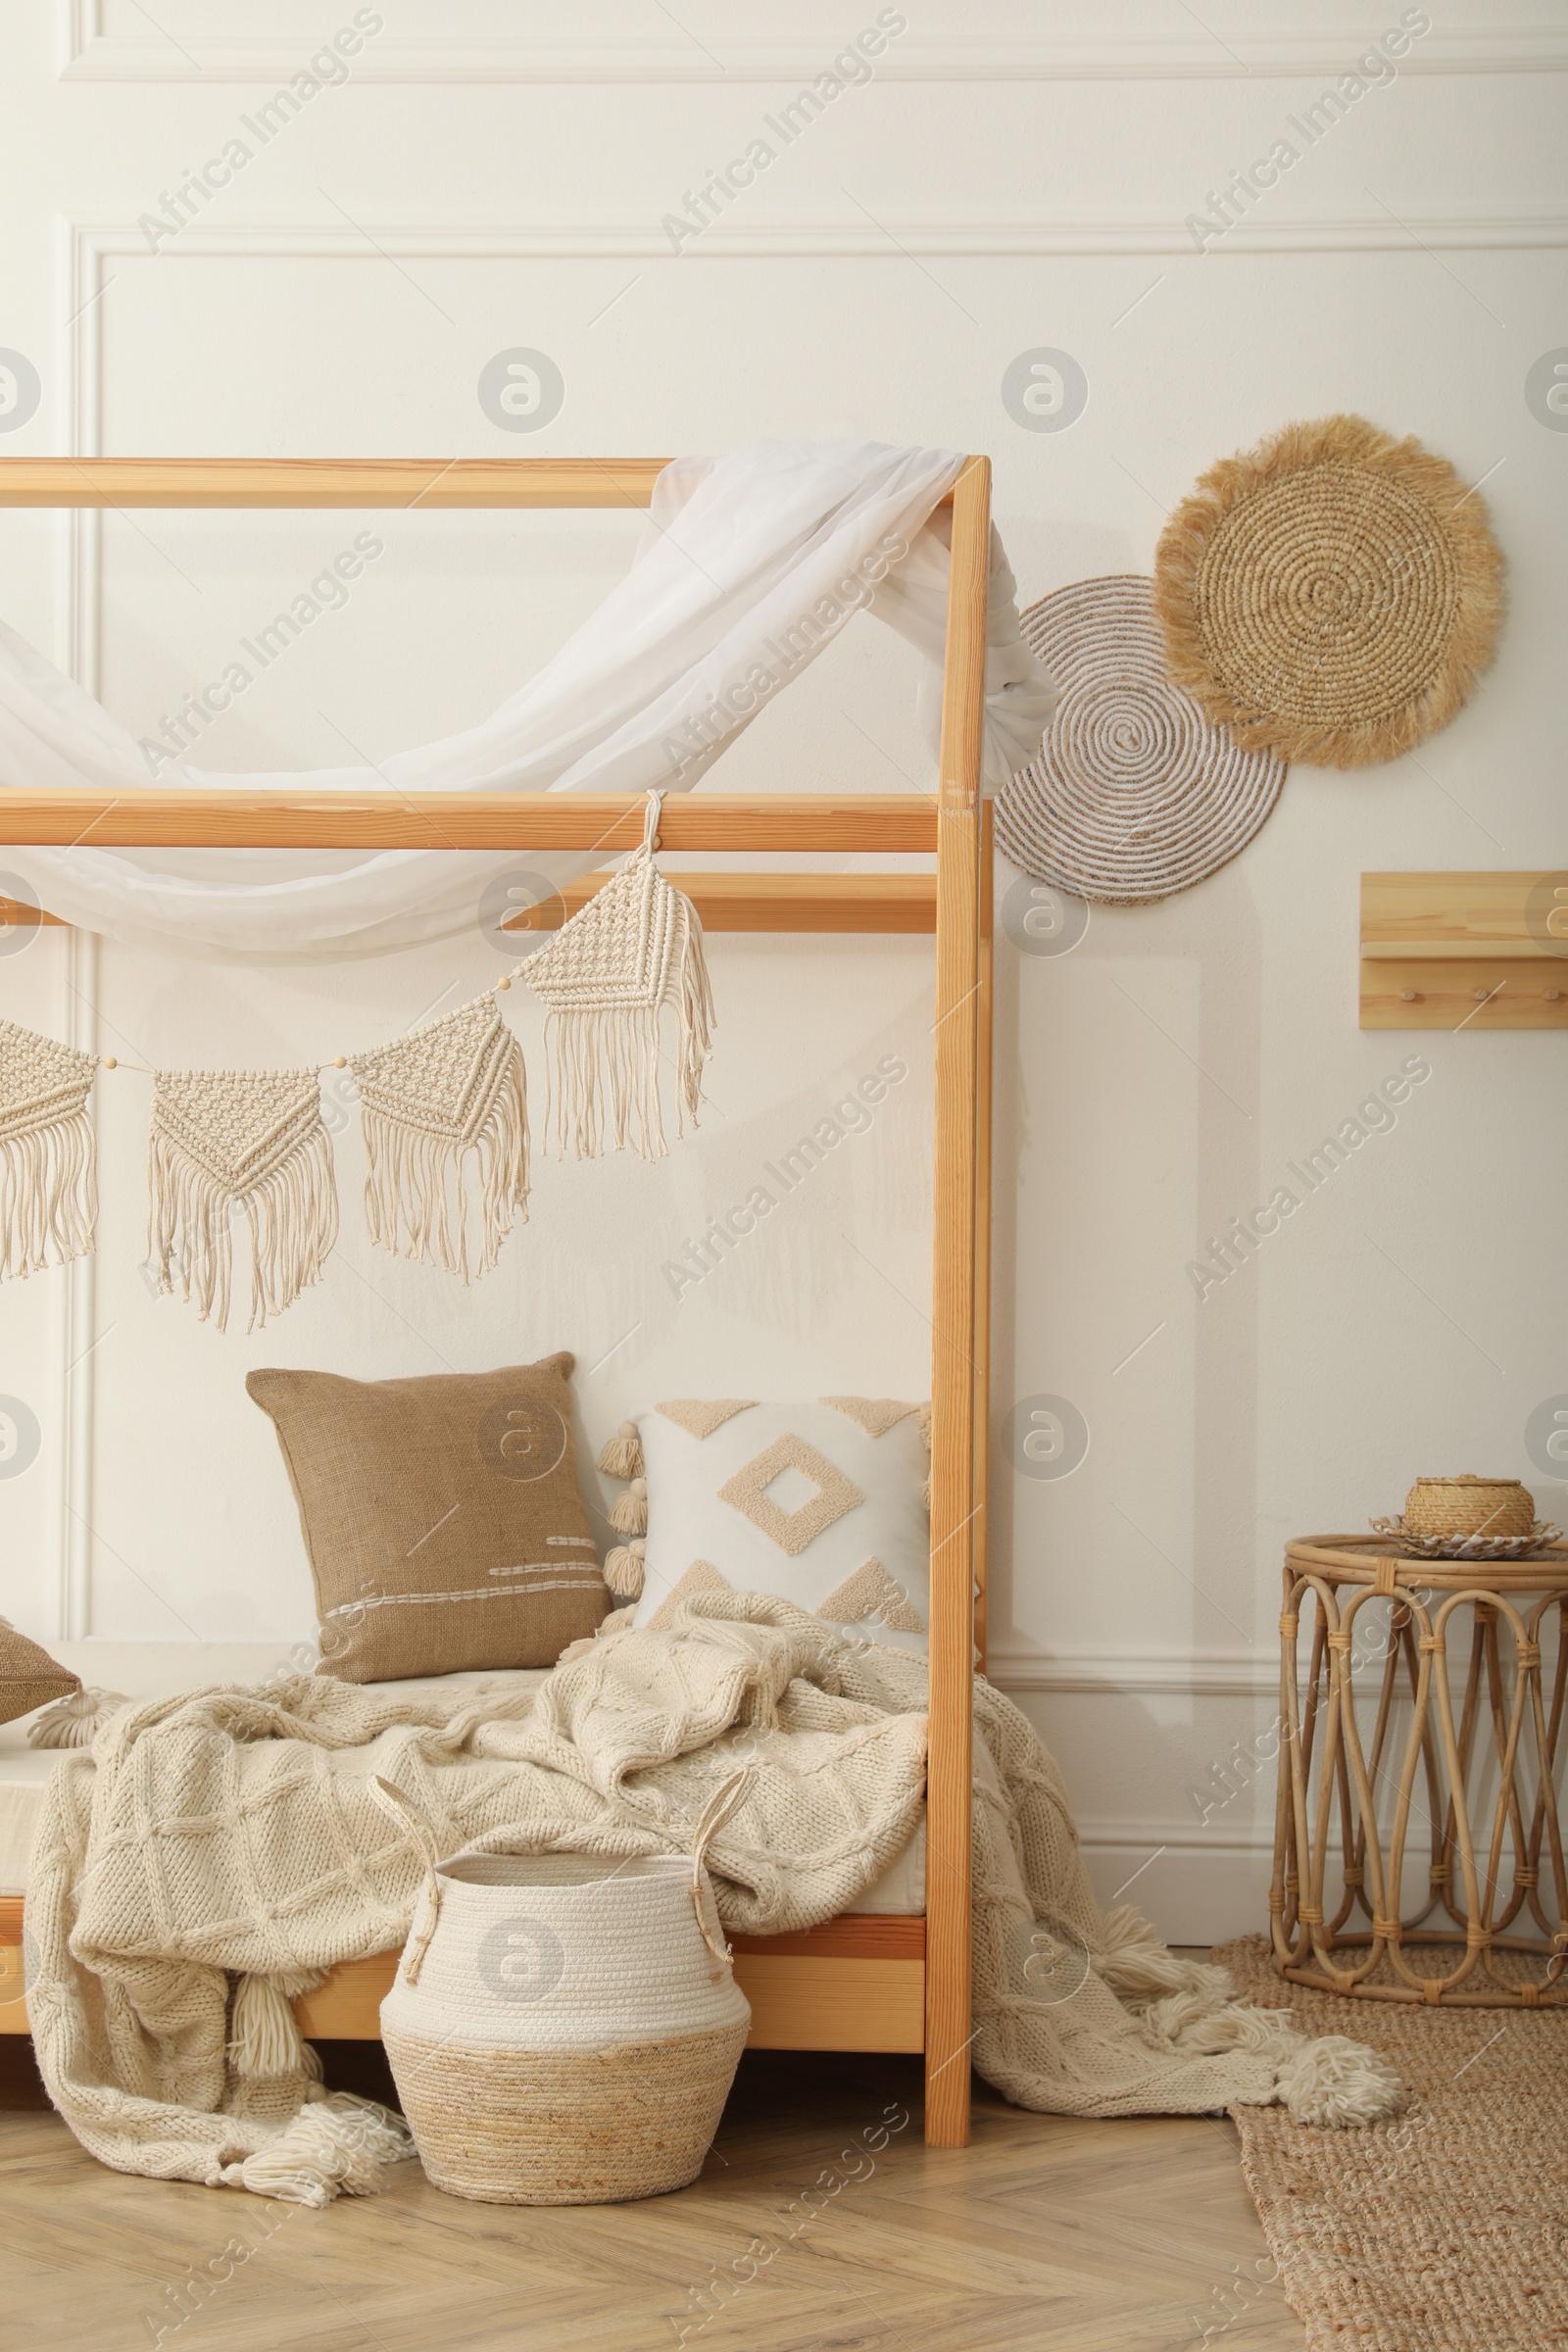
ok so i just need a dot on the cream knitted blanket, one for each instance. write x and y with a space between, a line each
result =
226 1851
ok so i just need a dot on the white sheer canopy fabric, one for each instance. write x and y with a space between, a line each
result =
748 566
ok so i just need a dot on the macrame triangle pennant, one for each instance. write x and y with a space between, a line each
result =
606 978
453 1087
248 1139
48 1178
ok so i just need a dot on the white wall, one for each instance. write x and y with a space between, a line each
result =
1011 179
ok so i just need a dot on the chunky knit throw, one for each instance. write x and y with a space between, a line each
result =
226 1851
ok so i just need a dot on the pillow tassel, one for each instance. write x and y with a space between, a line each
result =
623 1570
629 1513
621 1457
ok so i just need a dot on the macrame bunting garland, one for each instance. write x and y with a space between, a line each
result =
427 1101
224 1141
606 979
229 1139
48 1178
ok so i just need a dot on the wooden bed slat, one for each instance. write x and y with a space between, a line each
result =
884 822
856 1982
954 1483
861 902
306 482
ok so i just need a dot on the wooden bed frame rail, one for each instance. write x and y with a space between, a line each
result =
860 1982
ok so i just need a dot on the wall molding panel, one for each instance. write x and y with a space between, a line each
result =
1303 51
1105 1673
93 245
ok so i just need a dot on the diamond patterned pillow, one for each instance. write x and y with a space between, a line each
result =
822 1505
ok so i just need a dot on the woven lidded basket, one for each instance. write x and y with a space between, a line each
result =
565 2027
1468 1505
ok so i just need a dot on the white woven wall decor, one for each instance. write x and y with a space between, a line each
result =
1133 793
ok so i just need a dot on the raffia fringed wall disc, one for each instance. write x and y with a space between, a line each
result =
1133 793
1333 594
427 1101
606 978
48 1184
250 1139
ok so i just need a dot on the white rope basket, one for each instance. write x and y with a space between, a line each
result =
1133 793
564 2024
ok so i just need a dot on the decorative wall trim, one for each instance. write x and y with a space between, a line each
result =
1301 52
1174 1838
1100 1674
93 244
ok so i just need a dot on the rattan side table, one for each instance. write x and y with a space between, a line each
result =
1382 1619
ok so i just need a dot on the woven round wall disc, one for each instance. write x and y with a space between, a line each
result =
1332 595
1133 793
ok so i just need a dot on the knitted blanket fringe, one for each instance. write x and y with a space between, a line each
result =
220 1851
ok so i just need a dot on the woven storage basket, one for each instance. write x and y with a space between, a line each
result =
1468 1505
565 2027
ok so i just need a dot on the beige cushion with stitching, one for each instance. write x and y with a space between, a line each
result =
442 1517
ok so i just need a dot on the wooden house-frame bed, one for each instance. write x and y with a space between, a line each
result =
861 1981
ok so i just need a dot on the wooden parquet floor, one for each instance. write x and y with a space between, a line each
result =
1044 2235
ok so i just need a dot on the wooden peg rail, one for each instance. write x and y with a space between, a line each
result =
1464 950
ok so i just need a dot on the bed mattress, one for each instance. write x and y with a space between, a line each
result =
24 1772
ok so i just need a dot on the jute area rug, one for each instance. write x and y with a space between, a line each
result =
1446 2228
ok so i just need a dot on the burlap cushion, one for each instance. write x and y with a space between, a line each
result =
28 1674
442 1517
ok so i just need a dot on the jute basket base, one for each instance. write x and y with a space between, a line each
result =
564 2128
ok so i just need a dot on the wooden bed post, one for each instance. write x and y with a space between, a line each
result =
957 1445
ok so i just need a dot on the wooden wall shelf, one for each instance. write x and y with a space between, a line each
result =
1464 950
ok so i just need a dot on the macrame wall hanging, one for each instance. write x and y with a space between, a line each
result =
253 1144
225 1141
427 1101
634 948
48 1187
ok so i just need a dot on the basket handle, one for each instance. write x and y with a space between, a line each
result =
717 1811
401 1809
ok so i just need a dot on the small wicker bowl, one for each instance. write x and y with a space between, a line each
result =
1469 1506
1497 1549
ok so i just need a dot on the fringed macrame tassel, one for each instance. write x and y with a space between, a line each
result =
925 1439
629 1513
621 1457
623 1570
48 1176
426 1102
606 979
228 1139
